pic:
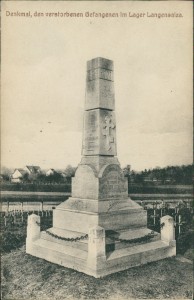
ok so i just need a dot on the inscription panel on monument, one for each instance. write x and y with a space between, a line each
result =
91 133
100 92
113 184
99 73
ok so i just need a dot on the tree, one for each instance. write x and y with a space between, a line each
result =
70 171
6 171
42 178
127 171
26 177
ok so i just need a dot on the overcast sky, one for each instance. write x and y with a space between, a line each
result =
44 72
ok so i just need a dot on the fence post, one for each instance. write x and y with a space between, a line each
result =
179 223
41 205
5 220
22 206
168 230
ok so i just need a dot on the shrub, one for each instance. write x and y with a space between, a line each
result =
184 242
11 240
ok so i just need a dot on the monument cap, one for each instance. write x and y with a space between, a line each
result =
100 62
100 84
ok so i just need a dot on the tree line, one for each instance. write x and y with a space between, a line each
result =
56 177
168 175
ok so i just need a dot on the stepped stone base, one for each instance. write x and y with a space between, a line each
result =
121 259
103 251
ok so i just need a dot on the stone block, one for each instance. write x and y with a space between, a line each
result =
99 161
100 73
100 94
168 229
112 183
123 219
99 133
100 84
100 62
96 245
33 231
85 184
73 220
107 183
121 216
33 227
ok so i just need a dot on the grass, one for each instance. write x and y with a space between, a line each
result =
26 277
145 188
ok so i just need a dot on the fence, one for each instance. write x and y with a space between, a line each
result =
182 214
18 218
14 223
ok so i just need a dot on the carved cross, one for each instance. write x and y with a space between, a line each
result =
107 131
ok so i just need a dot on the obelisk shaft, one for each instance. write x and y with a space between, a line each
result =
99 138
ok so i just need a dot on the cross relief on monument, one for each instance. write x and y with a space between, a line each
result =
108 128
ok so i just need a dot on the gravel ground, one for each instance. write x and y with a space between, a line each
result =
27 277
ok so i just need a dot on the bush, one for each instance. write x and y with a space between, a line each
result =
184 242
11 241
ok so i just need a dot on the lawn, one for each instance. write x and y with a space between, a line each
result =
27 277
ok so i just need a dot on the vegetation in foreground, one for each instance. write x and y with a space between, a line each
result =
27 277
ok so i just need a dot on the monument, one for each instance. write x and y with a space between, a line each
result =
99 230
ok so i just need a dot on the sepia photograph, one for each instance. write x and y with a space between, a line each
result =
96 150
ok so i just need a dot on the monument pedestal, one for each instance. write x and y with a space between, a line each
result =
101 252
99 230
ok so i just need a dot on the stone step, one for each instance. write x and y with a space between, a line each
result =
143 248
128 235
53 246
125 258
80 244
118 260
152 247
111 242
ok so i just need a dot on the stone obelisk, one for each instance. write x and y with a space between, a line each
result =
99 188
91 228
99 137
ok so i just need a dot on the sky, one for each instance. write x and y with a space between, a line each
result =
44 78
